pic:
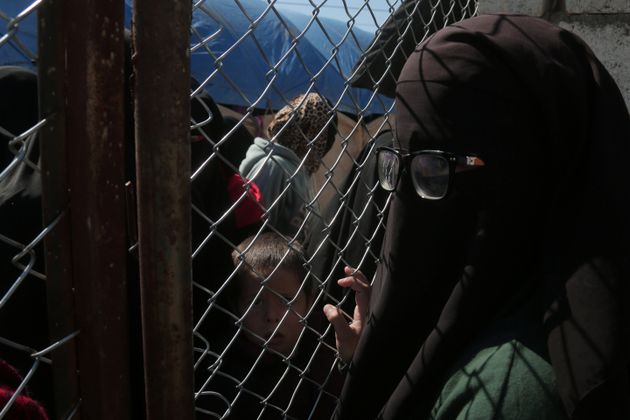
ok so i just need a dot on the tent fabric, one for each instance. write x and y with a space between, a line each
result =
404 29
298 46
282 52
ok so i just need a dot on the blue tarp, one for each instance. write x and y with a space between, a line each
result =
268 64
19 48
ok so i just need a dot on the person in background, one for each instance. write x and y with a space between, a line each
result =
23 407
503 289
24 316
299 136
217 187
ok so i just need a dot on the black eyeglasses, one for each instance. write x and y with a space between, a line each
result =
431 170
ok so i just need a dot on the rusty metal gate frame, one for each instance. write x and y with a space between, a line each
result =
81 70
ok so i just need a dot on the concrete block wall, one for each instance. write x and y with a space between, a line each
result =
602 24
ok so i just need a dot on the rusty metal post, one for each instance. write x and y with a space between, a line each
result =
162 110
81 92
55 200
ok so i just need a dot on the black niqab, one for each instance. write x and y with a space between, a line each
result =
547 216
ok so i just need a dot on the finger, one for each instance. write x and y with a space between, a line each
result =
361 286
362 289
354 283
358 274
346 337
336 317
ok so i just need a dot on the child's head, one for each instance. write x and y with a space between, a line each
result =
268 300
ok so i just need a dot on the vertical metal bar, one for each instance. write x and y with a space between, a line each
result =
90 128
162 110
55 201
95 130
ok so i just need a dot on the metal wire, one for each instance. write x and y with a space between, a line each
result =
24 342
239 368
329 203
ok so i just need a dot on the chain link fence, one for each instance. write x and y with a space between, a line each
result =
287 106
24 339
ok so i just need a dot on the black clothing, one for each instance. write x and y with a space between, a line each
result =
548 212
23 317
352 227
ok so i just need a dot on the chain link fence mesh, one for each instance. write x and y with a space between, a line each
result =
287 108
24 344
263 348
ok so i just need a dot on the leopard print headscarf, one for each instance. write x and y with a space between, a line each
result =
312 112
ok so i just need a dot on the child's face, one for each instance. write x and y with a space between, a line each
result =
269 309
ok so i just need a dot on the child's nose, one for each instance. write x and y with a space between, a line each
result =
276 310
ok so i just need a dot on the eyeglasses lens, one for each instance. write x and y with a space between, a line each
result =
388 169
430 176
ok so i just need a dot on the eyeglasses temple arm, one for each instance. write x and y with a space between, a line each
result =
473 161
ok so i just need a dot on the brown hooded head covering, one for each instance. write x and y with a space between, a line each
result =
547 216
306 123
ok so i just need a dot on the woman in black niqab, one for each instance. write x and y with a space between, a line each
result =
539 234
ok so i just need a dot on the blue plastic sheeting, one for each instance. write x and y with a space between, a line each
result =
246 52
19 47
277 55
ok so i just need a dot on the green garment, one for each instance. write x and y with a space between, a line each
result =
505 373
506 381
